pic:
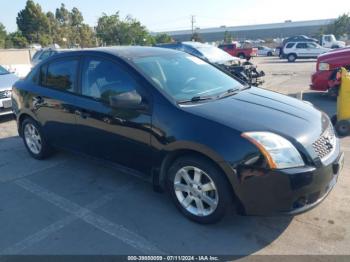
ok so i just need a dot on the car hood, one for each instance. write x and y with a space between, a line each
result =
256 109
6 81
336 53
229 61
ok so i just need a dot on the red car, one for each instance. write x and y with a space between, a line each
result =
326 63
243 53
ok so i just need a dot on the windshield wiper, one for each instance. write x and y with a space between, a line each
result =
228 92
195 99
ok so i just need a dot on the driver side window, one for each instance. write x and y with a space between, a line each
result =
102 79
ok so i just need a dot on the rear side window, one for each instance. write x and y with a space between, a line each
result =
302 45
45 55
289 45
192 51
60 75
37 54
311 45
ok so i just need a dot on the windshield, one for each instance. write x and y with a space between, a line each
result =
3 71
214 54
184 77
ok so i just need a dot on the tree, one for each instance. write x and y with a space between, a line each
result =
106 26
76 17
16 40
3 35
163 38
62 15
54 28
33 23
70 29
228 37
114 31
340 27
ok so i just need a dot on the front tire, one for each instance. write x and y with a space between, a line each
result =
34 139
199 190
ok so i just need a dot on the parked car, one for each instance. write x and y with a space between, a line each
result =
303 50
265 51
235 50
186 125
326 64
204 51
329 41
298 38
243 70
7 79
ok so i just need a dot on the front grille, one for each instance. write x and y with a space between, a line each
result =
5 94
326 143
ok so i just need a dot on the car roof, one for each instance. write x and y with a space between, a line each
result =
196 44
126 52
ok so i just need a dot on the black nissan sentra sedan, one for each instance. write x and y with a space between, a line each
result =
193 130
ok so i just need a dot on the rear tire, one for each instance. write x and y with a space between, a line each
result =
35 140
269 54
199 190
291 58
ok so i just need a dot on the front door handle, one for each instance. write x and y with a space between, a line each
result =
82 113
38 100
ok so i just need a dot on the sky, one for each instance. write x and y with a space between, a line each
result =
165 15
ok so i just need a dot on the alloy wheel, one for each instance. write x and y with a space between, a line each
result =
32 138
196 191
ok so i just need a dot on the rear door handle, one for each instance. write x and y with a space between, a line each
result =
82 113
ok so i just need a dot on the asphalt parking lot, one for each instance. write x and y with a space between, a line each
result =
70 204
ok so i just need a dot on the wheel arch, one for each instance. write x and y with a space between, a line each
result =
292 54
230 175
20 120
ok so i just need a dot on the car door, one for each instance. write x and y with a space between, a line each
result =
301 50
228 49
52 100
313 51
115 133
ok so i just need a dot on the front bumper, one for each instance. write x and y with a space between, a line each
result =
290 191
319 80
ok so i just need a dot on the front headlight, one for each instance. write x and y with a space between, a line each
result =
323 67
278 151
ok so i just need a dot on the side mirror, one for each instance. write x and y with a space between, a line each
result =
128 100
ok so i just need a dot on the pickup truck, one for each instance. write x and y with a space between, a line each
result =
331 42
325 65
235 50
